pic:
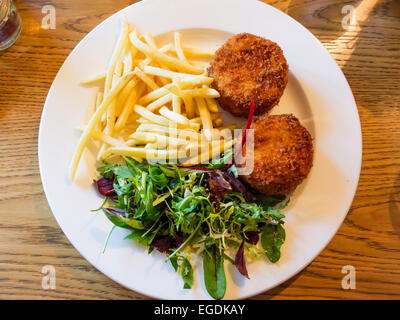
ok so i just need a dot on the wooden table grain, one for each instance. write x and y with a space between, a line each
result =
369 238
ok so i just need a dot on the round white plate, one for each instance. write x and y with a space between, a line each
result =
317 93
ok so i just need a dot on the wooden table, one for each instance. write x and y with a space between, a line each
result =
369 239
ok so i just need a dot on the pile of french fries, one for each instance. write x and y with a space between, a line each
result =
156 105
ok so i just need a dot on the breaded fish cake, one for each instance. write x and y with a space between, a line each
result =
246 69
283 154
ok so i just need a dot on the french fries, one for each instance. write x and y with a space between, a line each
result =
163 58
102 109
156 104
147 114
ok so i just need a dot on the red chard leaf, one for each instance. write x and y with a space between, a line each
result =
218 188
252 237
162 244
240 263
105 187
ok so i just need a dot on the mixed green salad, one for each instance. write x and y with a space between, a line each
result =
199 210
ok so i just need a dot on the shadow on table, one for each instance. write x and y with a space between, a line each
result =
276 292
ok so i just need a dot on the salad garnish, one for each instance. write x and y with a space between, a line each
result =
181 212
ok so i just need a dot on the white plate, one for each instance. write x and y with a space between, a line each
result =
317 93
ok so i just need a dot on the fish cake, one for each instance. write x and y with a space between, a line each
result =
246 69
283 154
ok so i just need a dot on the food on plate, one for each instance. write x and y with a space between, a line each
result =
246 69
183 212
157 106
283 154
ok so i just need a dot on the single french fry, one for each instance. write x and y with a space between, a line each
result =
99 99
128 62
178 46
144 121
174 116
160 102
192 82
196 53
115 56
131 143
176 104
150 127
186 79
150 40
110 124
196 92
201 92
212 105
95 78
143 137
205 117
155 94
117 72
189 105
110 119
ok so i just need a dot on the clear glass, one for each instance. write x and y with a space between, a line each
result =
10 24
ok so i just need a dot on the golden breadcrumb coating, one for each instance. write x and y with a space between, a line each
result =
283 154
246 69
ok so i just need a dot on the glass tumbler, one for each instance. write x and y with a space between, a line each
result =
10 24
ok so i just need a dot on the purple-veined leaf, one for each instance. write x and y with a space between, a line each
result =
252 237
162 244
105 187
240 262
